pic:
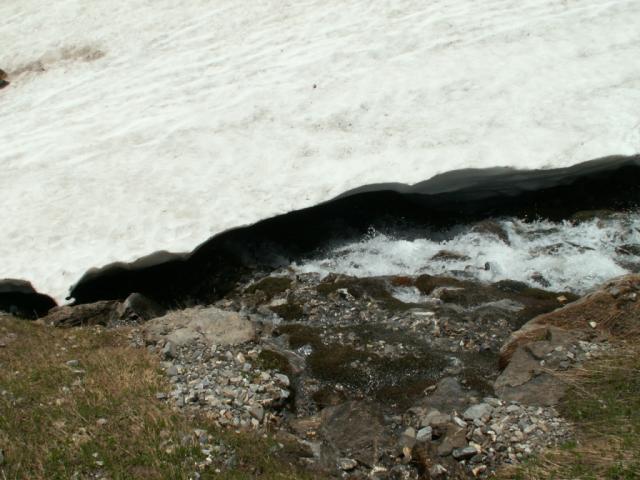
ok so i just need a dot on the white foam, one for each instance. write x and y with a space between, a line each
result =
143 125
569 257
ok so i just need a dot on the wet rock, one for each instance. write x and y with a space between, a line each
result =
99 313
491 227
448 255
208 325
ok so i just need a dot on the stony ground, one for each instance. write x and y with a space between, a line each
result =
387 377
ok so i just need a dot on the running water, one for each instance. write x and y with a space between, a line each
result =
556 256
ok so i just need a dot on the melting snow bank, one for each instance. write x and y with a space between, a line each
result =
446 200
429 215
555 255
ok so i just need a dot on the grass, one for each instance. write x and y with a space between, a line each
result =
101 419
604 404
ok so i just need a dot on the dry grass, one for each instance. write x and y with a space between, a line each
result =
604 404
50 413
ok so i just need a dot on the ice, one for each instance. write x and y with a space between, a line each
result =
137 126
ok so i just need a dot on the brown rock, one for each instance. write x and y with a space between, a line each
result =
615 308
98 313
456 437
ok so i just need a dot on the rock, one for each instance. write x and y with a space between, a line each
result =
448 395
210 325
347 464
73 363
456 437
437 471
525 381
424 434
19 298
608 308
99 313
138 307
491 227
464 453
480 411
169 351
355 430
407 439
257 412
282 379
448 255
436 420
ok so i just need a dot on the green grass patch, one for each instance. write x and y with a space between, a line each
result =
604 404
101 419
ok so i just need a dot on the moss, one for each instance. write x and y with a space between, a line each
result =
270 286
270 360
389 380
373 288
288 311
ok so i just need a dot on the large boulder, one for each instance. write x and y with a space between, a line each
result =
614 309
533 356
208 325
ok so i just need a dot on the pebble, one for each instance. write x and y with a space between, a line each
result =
424 434
464 453
347 464
73 363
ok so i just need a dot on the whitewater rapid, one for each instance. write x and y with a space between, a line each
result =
139 126
558 256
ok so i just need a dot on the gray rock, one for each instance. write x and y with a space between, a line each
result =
437 471
169 351
481 411
424 434
435 419
206 325
456 437
347 464
73 363
138 307
464 453
282 379
257 412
